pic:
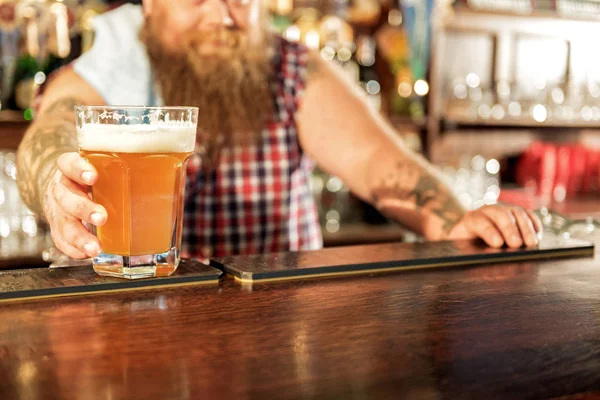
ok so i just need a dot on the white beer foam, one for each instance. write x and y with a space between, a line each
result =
157 138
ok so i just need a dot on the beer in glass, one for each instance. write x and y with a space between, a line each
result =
140 154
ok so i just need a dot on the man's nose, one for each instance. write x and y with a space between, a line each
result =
216 15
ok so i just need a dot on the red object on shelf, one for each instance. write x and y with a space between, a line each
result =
591 178
563 172
547 171
520 198
579 156
527 174
555 172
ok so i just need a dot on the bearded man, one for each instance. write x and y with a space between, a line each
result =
269 109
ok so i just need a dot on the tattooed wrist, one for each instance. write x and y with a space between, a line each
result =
415 187
51 135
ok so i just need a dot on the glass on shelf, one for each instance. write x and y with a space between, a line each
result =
21 234
538 101
335 204
475 181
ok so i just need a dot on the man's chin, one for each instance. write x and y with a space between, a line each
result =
221 50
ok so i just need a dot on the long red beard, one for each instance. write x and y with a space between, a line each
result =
229 83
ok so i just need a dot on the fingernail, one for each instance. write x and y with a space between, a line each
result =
97 218
516 239
91 249
497 240
540 236
87 176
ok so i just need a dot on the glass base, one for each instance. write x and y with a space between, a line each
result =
137 267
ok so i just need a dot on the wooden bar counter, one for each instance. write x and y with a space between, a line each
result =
514 330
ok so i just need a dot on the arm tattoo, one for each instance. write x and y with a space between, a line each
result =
410 182
65 105
52 134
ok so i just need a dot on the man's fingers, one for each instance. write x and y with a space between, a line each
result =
481 226
68 204
66 248
78 236
537 223
74 201
506 223
526 227
76 168
71 232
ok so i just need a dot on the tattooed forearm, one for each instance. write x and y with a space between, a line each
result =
64 107
431 194
52 134
413 184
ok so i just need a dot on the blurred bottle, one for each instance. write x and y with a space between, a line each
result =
59 39
369 79
85 13
334 27
393 45
281 12
29 61
364 14
337 38
9 49
306 28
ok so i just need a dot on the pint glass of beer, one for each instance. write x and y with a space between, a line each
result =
140 154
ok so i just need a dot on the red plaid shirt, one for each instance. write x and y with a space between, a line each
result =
258 199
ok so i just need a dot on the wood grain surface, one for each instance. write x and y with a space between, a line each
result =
393 256
527 330
44 282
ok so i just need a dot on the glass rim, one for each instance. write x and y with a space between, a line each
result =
136 108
